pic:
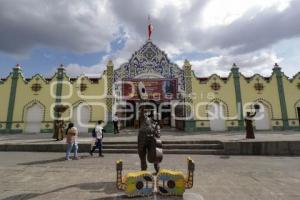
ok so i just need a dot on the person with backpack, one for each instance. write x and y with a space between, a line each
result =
98 136
72 135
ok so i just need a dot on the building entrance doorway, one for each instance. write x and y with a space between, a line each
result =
81 118
33 120
165 120
262 119
216 117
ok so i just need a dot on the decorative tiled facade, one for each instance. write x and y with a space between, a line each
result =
149 59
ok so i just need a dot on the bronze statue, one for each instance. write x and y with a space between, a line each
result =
148 138
249 125
59 124
59 127
164 181
149 144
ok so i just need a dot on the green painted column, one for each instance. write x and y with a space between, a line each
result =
190 123
12 98
238 95
279 75
109 96
59 85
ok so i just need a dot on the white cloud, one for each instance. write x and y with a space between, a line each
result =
77 26
290 55
249 64
74 70
236 30
222 13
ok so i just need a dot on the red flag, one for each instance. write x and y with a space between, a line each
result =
150 28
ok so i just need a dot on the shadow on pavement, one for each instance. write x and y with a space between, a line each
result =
99 187
41 162
107 188
47 141
186 196
156 197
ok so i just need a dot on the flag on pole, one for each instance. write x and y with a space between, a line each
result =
150 28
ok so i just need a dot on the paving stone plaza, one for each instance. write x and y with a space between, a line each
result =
47 176
97 104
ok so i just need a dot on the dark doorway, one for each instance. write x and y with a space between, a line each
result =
129 114
166 116
180 113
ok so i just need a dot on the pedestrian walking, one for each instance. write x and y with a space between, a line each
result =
98 137
116 124
72 141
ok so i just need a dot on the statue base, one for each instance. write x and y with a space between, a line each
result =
167 182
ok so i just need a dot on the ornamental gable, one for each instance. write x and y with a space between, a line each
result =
150 60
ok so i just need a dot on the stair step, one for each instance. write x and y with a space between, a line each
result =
193 146
133 151
169 146
169 142
173 151
119 146
129 142
194 151
193 142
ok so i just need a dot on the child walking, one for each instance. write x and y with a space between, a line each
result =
72 135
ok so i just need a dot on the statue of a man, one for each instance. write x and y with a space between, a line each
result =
58 128
249 122
148 143
249 126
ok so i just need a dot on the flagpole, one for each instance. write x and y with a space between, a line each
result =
150 28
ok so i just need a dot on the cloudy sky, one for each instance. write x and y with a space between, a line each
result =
212 34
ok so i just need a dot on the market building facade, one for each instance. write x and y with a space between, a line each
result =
177 97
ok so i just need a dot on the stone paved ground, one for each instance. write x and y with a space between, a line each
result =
47 176
167 134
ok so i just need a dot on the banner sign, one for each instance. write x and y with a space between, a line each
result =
156 89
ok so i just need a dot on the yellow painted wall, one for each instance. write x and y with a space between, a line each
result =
46 97
25 95
4 100
292 97
93 95
269 95
203 95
